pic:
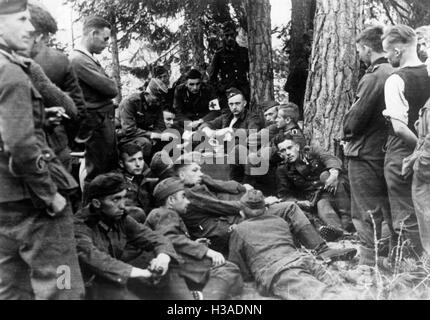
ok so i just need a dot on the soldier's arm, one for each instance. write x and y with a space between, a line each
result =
283 185
140 236
236 255
71 86
87 72
169 225
128 111
97 261
18 134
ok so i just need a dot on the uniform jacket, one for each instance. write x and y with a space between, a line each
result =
138 192
365 128
98 88
24 153
167 222
246 121
262 247
138 118
302 178
101 244
191 107
230 69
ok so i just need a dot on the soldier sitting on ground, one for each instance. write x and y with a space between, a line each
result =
203 267
299 178
121 259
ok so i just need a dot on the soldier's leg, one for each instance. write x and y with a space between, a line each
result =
50 252
400 197
342 203
101 290
14 273
420 194
369 197
327 213
224 282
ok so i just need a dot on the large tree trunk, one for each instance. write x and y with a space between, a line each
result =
115 60
302 18
334 67
260 51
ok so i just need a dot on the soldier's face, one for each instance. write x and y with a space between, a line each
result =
289 150
16 30
271 115
392 53
179 202
165 78
169 119
423 49
133 164
193 85
191 175
237 103
364 54
230 38
100 40
113 206
281 121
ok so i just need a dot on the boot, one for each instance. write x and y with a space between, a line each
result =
330 233
332 255
309 237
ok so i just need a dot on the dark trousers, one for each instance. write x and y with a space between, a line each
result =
101 150
368 196
400 193
38 258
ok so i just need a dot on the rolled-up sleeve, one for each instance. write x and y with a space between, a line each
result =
397 107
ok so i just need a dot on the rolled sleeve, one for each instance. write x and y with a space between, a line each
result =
397 107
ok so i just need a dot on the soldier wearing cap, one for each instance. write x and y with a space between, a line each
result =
112 246
32 210
203 267
230 66
299 179
263 248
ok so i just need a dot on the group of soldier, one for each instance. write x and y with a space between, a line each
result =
145 222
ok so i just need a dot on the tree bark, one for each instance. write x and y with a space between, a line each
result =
260 51
333 73
115 60
302 18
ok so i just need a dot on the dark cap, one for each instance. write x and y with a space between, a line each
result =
160 163
253 199
194 74
167 188
267 105
12 6
233 92
105 185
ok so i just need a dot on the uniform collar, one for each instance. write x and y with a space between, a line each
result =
375 65
84 50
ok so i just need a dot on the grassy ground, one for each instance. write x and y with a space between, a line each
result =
409 281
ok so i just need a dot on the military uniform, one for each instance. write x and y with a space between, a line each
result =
192 107
107 251
33 244
229 68
263 248
138 120
301 180
218 282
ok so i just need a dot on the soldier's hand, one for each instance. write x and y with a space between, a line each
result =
332 183
304 205
216 257
168 136
58 204
248 187
160 264
140 273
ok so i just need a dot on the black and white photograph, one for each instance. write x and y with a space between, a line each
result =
244 152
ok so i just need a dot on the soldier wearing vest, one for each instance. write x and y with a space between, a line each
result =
406 92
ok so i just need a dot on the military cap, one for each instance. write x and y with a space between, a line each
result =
267 105
194 74
160 163
233 92
167 188
12 6
105 185
253 199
